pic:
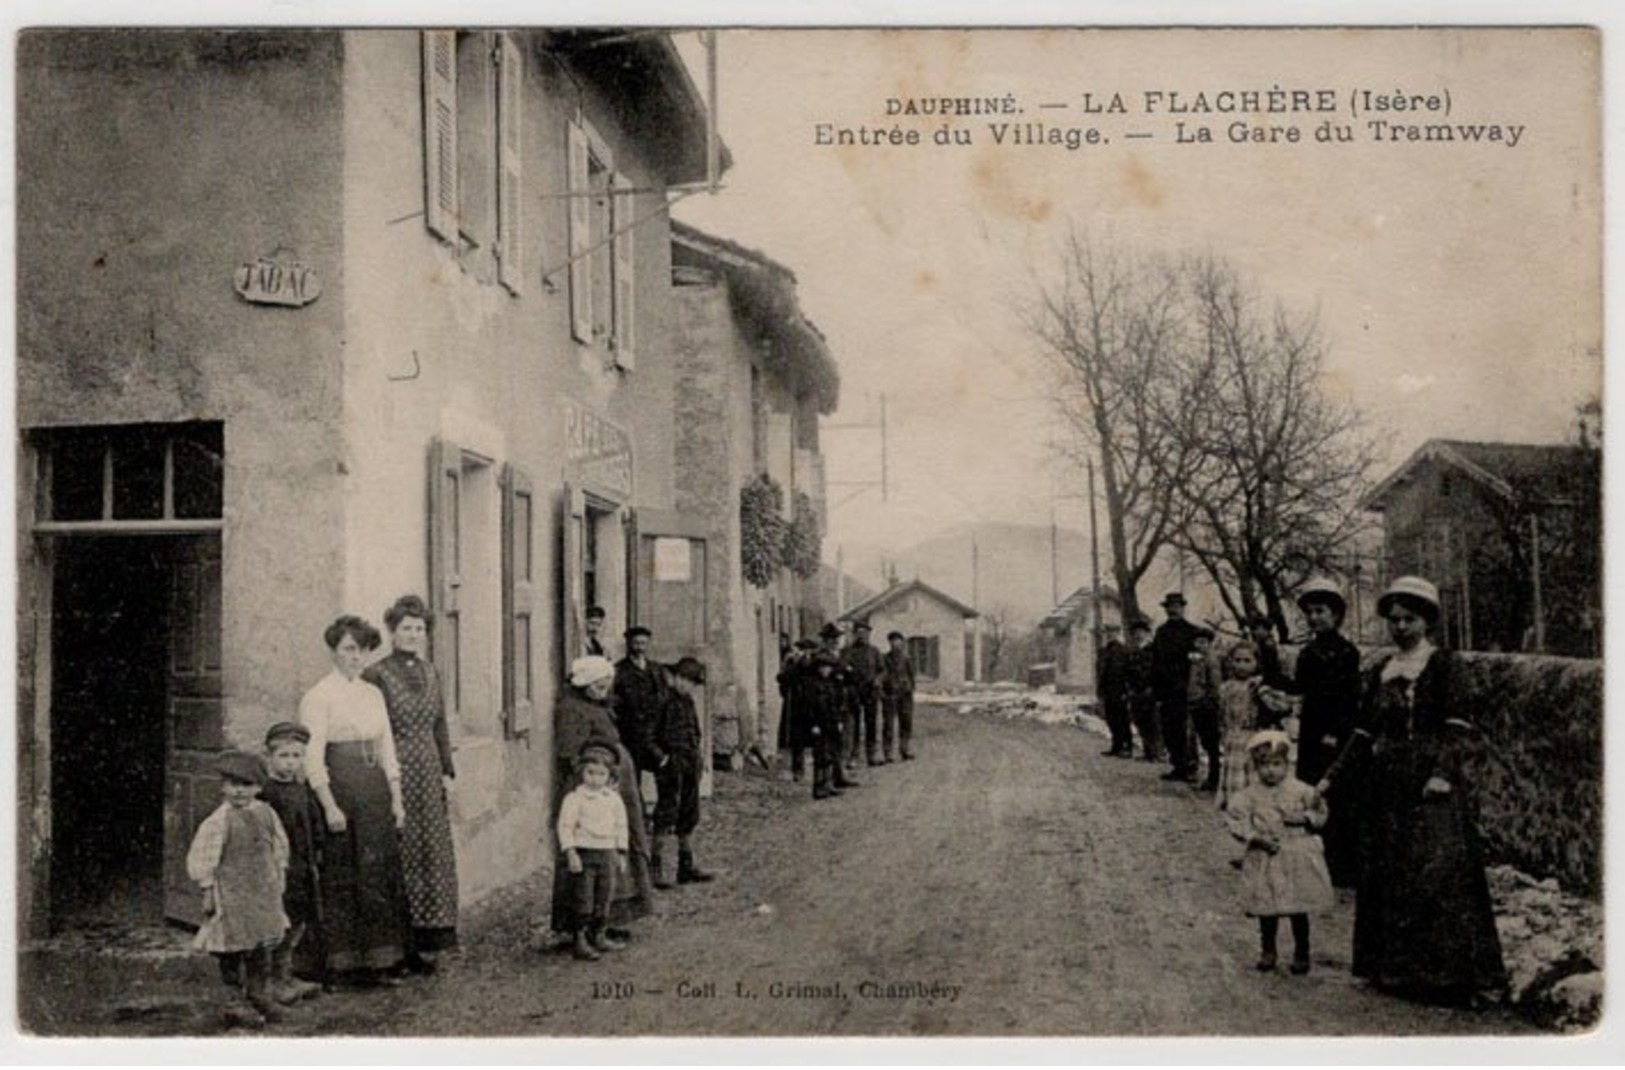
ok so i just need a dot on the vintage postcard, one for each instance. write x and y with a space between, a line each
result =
553 531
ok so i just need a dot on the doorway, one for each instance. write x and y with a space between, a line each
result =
135 645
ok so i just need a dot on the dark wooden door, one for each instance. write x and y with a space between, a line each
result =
195 730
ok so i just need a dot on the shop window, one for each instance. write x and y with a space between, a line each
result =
106 476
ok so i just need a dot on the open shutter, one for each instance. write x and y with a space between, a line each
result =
510 214
622 218
572 522
445 563
518 600
580 236
440 132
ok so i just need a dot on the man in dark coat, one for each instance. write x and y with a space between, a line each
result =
862 662
830 638
675 751
1142 699
1170 676
897 699
640 693
824 698
795 718
1112 680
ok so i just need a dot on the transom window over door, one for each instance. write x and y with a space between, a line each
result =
133 476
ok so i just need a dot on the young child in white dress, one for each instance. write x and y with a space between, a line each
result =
1284 870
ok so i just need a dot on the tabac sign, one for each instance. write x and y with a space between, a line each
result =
599 452
277 280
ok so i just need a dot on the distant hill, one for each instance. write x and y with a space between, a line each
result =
1014 567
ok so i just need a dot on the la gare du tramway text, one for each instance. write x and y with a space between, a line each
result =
1275 101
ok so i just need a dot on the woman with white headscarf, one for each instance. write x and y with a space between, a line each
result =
583 717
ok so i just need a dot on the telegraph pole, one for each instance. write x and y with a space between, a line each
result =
1094 553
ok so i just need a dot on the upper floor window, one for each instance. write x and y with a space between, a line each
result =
602 227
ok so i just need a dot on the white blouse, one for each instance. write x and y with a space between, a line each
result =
337 710
1408 665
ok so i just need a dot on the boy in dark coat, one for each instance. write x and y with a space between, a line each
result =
296 806
674 749
825 698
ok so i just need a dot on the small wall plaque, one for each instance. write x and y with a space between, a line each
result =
278 281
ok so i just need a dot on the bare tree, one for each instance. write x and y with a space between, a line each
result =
1274 497
1111 326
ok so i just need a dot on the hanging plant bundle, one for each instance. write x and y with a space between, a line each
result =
761 530
803 541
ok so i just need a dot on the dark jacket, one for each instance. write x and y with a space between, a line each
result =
897 674
1114 680
863 666
678 729
1170 659
301 816
640 695
1328 678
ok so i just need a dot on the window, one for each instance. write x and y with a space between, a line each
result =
465 577
925 655
153 474
473 100
602 261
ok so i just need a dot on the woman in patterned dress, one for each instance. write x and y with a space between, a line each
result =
417 715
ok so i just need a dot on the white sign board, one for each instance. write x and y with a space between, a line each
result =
673 563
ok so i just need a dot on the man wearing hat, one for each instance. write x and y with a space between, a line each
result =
839 731
863 667
1170 677
675 751
1112 688
640 692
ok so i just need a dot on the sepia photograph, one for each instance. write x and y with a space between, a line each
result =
553 530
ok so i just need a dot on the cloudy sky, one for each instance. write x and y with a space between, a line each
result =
1458 284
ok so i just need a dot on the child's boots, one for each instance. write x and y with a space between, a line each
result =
688 872
285 987
257 984
583 949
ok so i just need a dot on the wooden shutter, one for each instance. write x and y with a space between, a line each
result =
580 235
510 164
518 600
572 520
445 563
622 219
440 132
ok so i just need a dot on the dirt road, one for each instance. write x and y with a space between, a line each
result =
1010 881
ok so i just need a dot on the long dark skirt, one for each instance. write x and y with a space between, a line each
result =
634 892
1423 917
365 923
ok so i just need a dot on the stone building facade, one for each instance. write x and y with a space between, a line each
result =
933 626
307 320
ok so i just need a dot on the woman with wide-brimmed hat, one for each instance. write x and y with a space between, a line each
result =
1327 677
1423 922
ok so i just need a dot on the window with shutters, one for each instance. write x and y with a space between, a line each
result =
603 289
466 551
473 105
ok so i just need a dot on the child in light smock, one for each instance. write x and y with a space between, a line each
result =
1284 870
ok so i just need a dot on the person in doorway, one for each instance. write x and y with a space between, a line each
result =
897 699
239 857
1170 681
1327 679
640 691
675 752
352 767
1202 704
844 729
299 811
415 699
863 667
1283 872
1142 696
1424 924
592 642
583 717
593 834
1112 685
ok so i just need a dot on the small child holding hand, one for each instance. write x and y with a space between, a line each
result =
240 856
1284 870
594 836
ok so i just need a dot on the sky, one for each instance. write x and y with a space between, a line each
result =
1458 285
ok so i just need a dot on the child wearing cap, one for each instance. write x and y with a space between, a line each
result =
1202 704
594 836
239 856
1284 870
300 812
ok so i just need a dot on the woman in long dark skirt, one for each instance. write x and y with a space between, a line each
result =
583 717
1327 676
351 766
417 717
1424 925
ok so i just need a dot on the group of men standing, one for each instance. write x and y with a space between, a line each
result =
832 694
1144 685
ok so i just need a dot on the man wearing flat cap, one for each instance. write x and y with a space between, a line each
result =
1170 676
1112 686
863 668
640 691
839 736
675 751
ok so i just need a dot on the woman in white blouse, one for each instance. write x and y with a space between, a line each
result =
352 768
